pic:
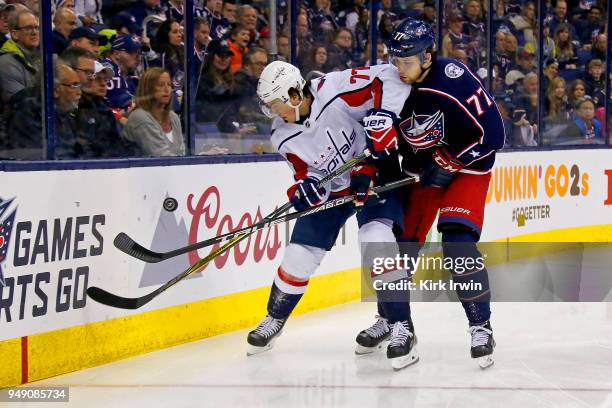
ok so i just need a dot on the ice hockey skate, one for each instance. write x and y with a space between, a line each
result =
374 337
482 344
402 349
264 336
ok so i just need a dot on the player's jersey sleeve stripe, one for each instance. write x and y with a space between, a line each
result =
467 112
299 166
356 97
480 158
287 139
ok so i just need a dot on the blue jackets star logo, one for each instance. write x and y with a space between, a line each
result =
6 227
423 131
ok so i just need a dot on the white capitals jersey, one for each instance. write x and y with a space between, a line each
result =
332 134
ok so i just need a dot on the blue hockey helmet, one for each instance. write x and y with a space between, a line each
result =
411 37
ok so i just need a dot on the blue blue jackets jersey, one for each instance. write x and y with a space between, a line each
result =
450 109
219 25
121 88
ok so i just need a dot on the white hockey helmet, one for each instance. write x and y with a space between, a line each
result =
274 84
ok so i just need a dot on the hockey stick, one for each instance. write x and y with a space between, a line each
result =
110 299
124 243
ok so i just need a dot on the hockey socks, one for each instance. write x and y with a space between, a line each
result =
281 304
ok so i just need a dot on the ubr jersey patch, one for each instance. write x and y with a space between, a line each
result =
453 71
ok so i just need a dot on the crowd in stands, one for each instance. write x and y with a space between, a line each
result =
119 75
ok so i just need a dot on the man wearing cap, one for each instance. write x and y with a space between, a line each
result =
87 38
19 55
124 23
455 39
97 125
124 59
64 21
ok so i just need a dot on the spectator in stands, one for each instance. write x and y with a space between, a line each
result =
247 17
362 32
580 11
590 27
125 23
85 37
316 61
526 59
169 45
551 69
123 58
246 83
304 36
549 43
526 22
218 23
565 51
382 54
527 98
24 124
283 47
64 21
145 8
201 38
153 125
585 128
217 96
385 29
238 42
324 22
599 47
89 11
174 10
349 17
577 91
19 55
67 94
386 9
560 16
501 59
474 26
230 11
556 106
82 62
429 14
595 81
454 40
97 125
339 53
4 26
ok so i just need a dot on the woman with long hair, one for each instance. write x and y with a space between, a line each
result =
577 91
216 95
565 50
168 44
317 60
152 124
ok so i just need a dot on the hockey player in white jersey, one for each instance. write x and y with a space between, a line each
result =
316 129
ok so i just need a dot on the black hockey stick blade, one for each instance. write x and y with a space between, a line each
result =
109 299
126 244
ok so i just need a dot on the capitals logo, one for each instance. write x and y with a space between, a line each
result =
6 227
423 131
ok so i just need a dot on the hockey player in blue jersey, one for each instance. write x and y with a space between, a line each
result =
316 129
448 130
